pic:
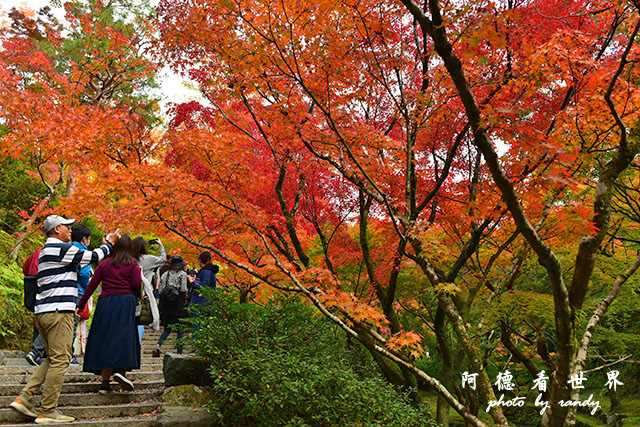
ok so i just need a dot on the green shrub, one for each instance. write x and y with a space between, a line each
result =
29 246
16 331
279 365
17 323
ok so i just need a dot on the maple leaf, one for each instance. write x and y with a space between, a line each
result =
408 340
448 288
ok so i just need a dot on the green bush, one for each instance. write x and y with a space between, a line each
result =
279 365
29 246
16 331
17 323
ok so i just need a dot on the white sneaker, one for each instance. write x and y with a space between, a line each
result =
54 417
124 382
23 406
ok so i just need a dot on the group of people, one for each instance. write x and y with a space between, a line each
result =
65 286
80 238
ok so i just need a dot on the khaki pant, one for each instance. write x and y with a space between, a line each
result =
57 331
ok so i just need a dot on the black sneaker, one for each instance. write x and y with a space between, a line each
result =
156 352
105 388
124 382
33 358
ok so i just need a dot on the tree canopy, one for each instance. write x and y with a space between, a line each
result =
440 179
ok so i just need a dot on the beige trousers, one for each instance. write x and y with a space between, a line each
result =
57 332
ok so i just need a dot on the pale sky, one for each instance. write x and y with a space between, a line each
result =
33 4
172 86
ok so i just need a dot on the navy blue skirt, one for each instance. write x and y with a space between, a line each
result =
113 338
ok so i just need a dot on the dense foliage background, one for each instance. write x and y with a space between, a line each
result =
445 187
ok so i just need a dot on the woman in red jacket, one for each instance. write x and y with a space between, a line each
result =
113 344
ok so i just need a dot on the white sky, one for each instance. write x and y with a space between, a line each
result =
172 86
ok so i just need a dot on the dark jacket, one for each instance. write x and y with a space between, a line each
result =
205 277
173 310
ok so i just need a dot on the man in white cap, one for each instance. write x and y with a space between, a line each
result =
55 305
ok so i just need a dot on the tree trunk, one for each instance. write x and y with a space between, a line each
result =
13 255
442 412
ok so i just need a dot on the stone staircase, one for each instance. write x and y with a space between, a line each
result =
80 397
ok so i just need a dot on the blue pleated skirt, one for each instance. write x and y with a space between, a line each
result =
113 338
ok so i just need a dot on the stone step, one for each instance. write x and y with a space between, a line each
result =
149 340
149 337
94 399
154 365
77 377
9 415
145 356
152 343
147 360
151 346
163 349
150 358
85 387
80 397
172 338
147 346
146 420
153 340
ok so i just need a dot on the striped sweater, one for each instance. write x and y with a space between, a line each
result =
57 274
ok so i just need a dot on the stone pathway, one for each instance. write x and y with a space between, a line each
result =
80 397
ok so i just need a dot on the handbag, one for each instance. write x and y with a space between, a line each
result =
85 313
143 309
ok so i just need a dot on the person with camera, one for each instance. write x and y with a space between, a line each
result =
206 277
149 263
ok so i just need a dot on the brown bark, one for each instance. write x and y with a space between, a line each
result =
505 337
471 349
601 309
289 214
445 350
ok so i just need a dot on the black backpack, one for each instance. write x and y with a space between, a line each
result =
171 293
30 291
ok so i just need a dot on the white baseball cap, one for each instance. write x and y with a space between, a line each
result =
53 221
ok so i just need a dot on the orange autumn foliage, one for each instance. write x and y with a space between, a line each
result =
337 152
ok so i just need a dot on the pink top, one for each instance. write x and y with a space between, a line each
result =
115 281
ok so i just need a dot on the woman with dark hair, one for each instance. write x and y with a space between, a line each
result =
148 263
113 346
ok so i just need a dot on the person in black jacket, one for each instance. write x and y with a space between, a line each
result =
205 277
